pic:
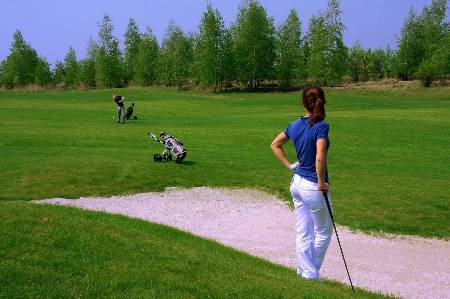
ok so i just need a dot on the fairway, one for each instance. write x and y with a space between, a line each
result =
388 160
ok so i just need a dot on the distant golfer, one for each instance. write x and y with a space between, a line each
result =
120 108
309 134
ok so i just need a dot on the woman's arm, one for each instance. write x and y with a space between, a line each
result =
321 162
277 148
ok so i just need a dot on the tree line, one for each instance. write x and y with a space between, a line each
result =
252 52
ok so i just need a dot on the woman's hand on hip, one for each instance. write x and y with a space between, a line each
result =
323 187
293 167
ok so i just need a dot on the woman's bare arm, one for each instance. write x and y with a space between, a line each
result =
277 148
321 162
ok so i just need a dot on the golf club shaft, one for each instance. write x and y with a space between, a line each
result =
337 237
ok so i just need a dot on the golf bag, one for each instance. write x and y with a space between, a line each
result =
172 147
130 111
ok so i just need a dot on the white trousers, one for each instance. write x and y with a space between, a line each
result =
120 113
314 226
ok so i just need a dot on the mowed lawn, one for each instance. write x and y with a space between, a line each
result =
388 161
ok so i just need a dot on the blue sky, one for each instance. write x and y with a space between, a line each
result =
52 26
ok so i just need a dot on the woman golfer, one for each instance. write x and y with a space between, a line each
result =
309 134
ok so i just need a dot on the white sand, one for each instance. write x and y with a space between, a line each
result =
262 225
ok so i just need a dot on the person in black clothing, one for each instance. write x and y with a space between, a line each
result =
120 108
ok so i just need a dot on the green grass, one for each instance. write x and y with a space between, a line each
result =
60 252
388 161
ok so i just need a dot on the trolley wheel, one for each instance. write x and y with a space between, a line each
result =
169 157
180 158
157 158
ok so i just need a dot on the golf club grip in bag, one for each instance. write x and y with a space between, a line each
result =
151 135
325 195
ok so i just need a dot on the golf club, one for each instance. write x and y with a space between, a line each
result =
325 195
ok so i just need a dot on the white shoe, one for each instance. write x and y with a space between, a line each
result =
321 280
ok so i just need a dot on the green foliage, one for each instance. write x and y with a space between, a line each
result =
132 41
2 72
210 49
88 66
176 57
367 64
109 58
87 73
421 35
147 59
20 65
43 74
338 50
410 47
59 73
72 69
378 64
390 63
327 54
435 26
356 61
229 59
317 44
428 71
442 54
183 59
437 65
289 45
254 44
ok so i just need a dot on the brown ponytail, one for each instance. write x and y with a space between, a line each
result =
314 102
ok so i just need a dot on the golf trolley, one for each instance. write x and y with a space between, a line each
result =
172 146
130 110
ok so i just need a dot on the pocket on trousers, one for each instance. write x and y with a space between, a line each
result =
308 185
317 205
313 199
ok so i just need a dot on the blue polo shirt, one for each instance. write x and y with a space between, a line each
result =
304 139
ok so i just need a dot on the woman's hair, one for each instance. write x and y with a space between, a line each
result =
314 102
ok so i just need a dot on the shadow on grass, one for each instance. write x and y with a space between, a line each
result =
134 122
187 163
